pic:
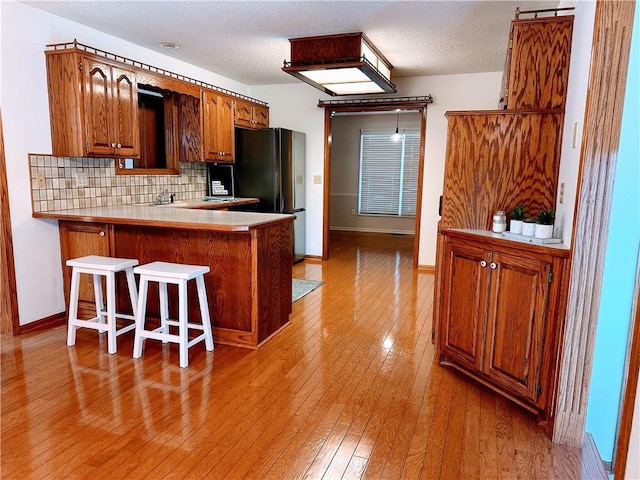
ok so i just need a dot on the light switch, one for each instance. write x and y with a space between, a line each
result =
561 195
81 179
317 179
299 179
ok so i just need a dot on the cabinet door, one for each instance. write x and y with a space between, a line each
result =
218 127
125 112
516 317
539 64
110 100
225 132
78 239
98 128
463 303
261 116
243 114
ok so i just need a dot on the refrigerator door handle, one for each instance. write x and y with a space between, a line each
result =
295 210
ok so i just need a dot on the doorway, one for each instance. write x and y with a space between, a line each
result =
337 108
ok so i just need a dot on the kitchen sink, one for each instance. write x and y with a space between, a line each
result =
176 204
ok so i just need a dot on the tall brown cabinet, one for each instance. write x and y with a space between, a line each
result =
499 304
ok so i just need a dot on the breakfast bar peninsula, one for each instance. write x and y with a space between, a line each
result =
250 256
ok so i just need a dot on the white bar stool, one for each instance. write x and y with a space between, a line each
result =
99 267
178 274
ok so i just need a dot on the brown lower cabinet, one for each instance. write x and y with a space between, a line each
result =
500 314
248 286
78 239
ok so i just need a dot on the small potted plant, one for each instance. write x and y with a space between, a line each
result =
517 215
544 227
529 227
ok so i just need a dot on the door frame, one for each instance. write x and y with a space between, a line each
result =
376 105
9 320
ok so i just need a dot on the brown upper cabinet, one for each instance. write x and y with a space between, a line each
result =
537 66
251 115
93 106
148 119
217 122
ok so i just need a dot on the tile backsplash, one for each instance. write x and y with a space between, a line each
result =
104 187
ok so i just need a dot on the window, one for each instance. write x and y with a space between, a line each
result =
388 174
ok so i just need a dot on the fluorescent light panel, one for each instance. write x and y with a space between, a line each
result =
358 69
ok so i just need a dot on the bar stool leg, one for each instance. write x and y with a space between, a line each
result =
73 308
99 301
111 314
204 313
140 316
183 331
133 289
164 308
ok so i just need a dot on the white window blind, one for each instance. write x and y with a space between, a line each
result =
388 173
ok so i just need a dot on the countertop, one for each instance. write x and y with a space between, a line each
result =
211 205
195 218
558 249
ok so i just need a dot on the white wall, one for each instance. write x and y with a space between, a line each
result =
295 106
574 115
25 117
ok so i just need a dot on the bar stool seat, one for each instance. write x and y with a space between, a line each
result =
105 320
179 274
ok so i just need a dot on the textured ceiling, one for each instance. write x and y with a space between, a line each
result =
248 40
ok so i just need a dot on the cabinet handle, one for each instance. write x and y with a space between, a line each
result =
102 234
483 264
493 265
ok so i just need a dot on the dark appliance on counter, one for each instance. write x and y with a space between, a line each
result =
270 165
220 181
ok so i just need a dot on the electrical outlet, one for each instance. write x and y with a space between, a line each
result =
317 179
40 180
353 211
561 195
81 179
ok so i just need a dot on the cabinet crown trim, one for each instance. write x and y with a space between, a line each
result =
75 45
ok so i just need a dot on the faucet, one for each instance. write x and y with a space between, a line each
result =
162 197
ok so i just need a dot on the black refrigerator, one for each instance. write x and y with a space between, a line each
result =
270 165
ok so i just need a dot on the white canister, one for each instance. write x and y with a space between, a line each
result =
499 221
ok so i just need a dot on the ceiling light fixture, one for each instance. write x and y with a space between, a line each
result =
343 64
168 45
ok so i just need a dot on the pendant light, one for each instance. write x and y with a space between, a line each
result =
396 137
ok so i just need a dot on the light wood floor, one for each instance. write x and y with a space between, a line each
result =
348 390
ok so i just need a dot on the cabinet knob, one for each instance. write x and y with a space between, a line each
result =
483 264
119 145
102 233
493 265
113 145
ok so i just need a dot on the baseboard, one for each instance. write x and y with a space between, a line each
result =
370 230
427 269
45 323
313 258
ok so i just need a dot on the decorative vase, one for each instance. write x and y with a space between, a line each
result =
528 229
543 231
515 226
